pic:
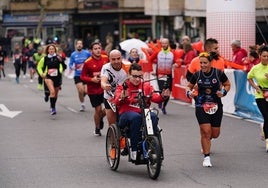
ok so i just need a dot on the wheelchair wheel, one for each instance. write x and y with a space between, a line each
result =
154 156
113 147
159 135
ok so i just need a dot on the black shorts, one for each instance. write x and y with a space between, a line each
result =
96 100
77 80
163 83
31 65
213 119
106 104
57 80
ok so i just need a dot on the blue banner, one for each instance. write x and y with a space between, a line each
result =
245 104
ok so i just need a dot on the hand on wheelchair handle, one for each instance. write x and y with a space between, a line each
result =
125 86
124 94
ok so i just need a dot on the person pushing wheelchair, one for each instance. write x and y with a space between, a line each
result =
129 111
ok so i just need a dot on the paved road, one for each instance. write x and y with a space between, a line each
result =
37 151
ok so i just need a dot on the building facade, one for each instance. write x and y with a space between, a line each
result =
120 19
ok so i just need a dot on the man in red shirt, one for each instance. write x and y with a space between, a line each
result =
128 106
91 75
239 54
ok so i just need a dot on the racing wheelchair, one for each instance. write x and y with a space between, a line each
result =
150 149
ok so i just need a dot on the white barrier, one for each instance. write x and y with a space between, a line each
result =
228 100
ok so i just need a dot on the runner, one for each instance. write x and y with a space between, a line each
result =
258 79
50 68
112 74
36 58
3 55
91 75
212 85
76 63
17 60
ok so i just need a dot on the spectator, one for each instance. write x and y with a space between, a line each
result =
251 60
239 54
211 46
189 53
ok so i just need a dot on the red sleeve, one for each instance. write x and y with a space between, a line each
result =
154 56
84 75
189 57
149 90
117 96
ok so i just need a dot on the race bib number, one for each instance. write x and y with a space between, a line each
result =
79 66
53 72
210 107
17 56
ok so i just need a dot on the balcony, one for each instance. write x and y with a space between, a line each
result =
50 5
164 7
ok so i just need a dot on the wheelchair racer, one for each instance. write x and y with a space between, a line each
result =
128 106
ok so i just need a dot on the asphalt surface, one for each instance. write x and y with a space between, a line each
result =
38 151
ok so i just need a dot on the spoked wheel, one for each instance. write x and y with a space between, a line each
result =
154 156
161 144
112 146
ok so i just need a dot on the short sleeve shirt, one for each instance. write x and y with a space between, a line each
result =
258 74
114 77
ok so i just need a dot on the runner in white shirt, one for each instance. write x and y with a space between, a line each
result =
112 74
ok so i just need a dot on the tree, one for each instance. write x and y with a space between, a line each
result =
42 4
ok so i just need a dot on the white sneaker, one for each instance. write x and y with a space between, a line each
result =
206 162
133 155
262 132
82 108
31 80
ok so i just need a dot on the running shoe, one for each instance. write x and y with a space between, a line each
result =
31 80
46 98
124 152
40 87
82 108
133 155
112 153
53 111
101 123
206 162
97 132
17 80
164 110
160 105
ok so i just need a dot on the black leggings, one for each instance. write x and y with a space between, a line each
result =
17 66
263 107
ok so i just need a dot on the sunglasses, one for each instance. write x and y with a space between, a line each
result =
136 76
